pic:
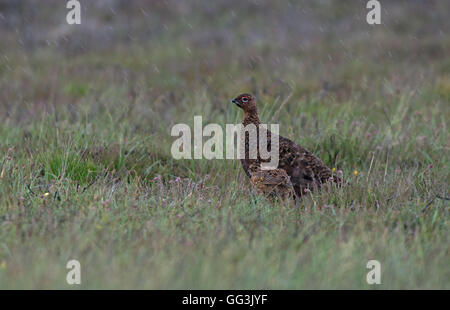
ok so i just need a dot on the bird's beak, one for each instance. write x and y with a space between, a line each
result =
236 102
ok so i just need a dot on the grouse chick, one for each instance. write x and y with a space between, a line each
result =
273 183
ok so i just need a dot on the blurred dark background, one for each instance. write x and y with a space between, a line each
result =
183 49
229 24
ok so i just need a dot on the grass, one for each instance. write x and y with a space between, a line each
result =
93 130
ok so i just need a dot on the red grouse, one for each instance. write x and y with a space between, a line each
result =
306 171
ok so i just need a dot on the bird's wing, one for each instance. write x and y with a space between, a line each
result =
304 169
321 172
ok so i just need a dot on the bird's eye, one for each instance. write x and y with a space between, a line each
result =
245 99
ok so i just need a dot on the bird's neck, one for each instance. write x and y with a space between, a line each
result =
251 117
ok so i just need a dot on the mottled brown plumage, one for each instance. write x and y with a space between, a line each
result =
306 171
273 183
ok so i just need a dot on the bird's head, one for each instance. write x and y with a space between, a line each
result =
246 102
